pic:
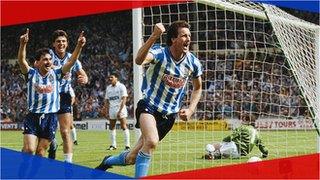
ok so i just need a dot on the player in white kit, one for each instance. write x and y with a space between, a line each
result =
115 103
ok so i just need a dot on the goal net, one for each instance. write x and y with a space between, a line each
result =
257 59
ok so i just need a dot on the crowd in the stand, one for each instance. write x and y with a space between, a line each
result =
13 93
312 17
237 83
234 81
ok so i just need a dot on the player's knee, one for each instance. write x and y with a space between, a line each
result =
151 143
64 133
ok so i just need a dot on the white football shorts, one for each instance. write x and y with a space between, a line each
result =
114 110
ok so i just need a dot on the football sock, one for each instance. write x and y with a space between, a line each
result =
113 138
74 134
68 157
127 137
142 164
119 160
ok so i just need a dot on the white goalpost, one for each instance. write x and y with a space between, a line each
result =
257 59
137 70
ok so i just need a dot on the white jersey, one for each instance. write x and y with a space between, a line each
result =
114 95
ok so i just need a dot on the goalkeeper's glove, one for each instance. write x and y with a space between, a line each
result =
208 157
265 154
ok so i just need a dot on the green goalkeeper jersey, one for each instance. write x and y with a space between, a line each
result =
245 137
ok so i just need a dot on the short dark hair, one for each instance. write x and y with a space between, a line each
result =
58 33
41 52
115 74
173 30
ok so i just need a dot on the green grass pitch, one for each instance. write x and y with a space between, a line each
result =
179 151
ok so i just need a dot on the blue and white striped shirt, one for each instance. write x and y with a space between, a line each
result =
43 92
165 80
65 86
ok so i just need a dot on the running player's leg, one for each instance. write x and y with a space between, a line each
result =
124 158
30 133
150 137
132 155
65 120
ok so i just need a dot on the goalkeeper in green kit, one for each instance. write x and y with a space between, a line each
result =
239 143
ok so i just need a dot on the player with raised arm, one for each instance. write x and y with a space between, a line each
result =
60 56
164 87
239 143
115 103
43 95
